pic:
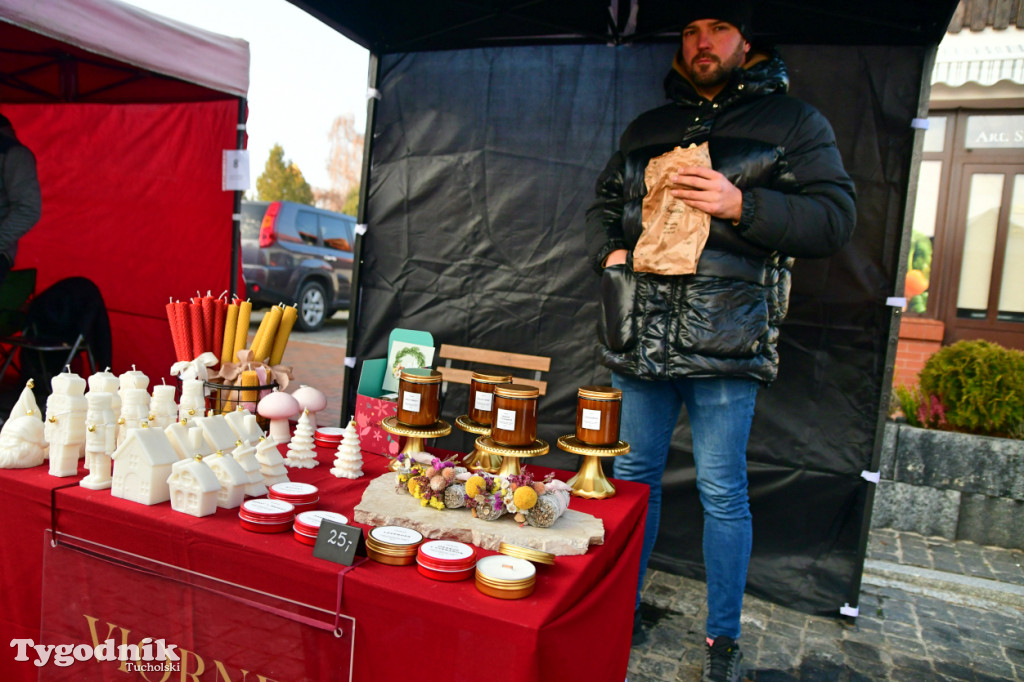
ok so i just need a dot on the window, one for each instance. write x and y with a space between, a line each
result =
337 233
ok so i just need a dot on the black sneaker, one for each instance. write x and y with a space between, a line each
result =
722 660
639 632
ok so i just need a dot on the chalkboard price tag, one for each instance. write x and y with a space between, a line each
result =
337 542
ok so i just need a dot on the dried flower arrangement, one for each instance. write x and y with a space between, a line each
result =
444 485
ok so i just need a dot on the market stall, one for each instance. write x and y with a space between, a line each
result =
128 115
489 124
395 615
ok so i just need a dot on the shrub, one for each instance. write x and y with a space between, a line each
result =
907 399
979 385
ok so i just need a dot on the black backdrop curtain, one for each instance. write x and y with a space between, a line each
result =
483 164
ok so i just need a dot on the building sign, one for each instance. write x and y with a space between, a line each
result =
995 132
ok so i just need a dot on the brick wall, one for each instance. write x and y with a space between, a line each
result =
919 338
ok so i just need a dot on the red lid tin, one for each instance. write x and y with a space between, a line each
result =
446 560
266 516
308 522
291 491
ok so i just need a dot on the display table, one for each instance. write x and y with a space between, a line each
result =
576 625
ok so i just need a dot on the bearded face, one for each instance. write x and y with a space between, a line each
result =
21 443
712 50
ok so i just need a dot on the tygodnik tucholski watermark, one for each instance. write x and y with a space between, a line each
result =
149 655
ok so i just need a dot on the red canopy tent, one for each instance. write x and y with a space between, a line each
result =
128 114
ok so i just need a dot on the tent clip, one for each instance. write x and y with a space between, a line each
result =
240 126
847 610
919 123
350 362
372 93
236 216
896 301
361 228
872 476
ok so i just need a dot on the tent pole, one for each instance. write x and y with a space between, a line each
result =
928 64
236 213
348 390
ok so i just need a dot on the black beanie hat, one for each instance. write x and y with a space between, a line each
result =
739 13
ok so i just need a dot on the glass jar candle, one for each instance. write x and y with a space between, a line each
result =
481 395
515 415
597 415
418 391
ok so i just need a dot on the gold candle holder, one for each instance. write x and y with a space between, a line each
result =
414 435
511 454
590 481
477 460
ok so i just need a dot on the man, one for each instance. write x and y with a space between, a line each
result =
776 190
20 203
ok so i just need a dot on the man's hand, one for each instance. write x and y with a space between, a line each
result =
708 190
616 257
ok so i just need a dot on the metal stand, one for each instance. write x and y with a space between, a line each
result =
477 460
511 454
414 435
590 481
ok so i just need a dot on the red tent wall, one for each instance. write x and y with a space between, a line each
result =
132 200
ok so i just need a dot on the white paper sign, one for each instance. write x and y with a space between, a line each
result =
591 420
506 420
235 175
483 401
411 401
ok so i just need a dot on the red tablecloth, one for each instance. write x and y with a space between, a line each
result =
576 625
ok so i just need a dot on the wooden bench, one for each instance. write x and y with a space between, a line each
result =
494 358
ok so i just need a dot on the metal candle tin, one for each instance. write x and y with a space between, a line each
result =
446 560
393 545
514 415
505 577
302 495
307 524
481 395
597 415
266 516
418 391
536 556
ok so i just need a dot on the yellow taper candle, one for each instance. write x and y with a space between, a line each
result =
227 348
261 350
291 313
249 378
241 328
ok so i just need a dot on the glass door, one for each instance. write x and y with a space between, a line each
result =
987 286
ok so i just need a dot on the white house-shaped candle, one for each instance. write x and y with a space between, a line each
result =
233 479
244 424
217 432
193 487
142 465
271 462
245 455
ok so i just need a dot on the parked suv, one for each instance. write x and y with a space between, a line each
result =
293 253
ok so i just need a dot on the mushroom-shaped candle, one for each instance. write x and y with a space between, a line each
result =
279 407
310 400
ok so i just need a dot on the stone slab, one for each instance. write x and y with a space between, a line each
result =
918 509
958 461
572 533
991 521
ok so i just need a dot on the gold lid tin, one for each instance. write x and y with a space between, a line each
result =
535 555
393 545
520 391
421 375
505 577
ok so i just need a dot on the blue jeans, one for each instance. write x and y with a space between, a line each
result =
720 412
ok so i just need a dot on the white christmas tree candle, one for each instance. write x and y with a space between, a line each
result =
349 460
300 449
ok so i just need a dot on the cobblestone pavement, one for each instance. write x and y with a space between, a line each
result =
930 609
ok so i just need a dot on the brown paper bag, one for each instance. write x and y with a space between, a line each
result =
674 233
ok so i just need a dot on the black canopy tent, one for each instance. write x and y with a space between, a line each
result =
489 124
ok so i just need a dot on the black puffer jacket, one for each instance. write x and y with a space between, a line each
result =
797 202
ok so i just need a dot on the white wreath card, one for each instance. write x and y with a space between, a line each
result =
405 355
